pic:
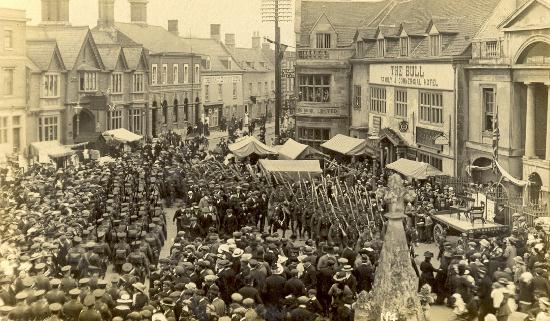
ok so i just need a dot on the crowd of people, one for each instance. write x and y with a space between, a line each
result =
90 243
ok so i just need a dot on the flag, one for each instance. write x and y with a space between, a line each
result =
496 136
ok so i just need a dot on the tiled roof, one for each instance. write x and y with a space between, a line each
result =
214 49
41 52
344 16
155 38
255 56
109 54
366 33
133 55
462 20
69 39
389 31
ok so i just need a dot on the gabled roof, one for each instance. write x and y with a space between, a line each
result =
521 10
70 40
155 38
214 49
460 21
388 31
110 54
42 52
133 56
345 17
255 56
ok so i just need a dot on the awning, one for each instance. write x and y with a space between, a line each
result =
510 178
346 145
291 149
294 169
122 135
414 169
250 145
52 149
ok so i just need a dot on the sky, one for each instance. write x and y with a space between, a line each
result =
241 17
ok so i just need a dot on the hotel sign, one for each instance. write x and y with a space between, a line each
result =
317 111
424 76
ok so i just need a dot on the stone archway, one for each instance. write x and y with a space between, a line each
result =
84 124
481 172
533 51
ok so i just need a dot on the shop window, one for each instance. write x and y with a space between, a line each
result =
431 107
313 136
115 119
315 88
48 128
429 159
401 102
488 108
378 99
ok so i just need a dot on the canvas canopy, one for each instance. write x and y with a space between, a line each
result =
250 145
291 149
414 169
121 135
294 169
51 149
346 145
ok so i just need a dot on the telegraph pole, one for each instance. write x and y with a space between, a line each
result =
277 11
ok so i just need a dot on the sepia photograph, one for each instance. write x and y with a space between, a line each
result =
274 160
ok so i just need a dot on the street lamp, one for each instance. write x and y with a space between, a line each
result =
77 109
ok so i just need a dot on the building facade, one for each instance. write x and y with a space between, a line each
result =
13 74
324 36
409 86
509 87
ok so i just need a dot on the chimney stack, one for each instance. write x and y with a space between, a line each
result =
266 45
256 40
173 26
55 12
138 11
230 40
106 13
215 32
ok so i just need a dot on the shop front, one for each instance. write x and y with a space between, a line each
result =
214 112
316 125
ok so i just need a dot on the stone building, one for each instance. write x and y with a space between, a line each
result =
509 80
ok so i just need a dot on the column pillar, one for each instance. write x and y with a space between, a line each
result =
548 124
530 122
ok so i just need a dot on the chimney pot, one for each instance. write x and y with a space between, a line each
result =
230 40
173 26
215 32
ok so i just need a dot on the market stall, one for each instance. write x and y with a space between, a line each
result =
50 151
414 169
250 145
345 145
291 169
121 135
291 149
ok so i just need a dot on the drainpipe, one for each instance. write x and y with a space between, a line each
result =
455 140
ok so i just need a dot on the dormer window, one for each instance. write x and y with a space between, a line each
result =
323 40
404 46
360 49
381 47
435 45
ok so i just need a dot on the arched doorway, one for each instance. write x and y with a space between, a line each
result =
85 121
481 171
176 111
186 108
535 184
154 111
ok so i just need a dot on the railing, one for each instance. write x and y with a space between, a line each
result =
324 54
530 212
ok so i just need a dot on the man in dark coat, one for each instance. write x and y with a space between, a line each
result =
484 293
427 269
294 285
249 291
364 273
274 290
309 277
324 282
226 281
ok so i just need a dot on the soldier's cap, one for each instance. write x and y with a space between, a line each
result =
175 294
210 278
39 266
115 278
77 239
21 295
146 314
74 292
248 301
39 292
134 316
122 307
127 267
83 281
167 301
236 297
5 309
28 282
98 293
66 268
123 301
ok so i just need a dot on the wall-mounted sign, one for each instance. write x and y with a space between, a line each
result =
403 126
317 111
288 73
426 137
425 76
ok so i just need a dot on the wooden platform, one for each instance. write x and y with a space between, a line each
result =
464 224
